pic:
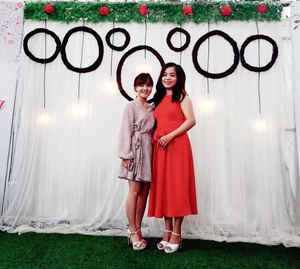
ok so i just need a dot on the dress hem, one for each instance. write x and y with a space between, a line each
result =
162 216
135 180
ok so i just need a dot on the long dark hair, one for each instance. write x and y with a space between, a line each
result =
178 91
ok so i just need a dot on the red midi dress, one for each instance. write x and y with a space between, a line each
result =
172 191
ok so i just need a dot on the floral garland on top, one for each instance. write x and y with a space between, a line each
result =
197 12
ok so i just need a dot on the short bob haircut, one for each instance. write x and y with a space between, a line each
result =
143 78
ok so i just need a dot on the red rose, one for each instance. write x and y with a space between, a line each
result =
143 10
226 10
104 11
262 8
187 10
49 9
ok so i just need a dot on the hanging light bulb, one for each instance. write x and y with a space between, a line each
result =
79 110
207 105
260 125
144 68
109 87
43 119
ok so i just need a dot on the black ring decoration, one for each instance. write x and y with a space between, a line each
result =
235 48
260 68
42 60
98 61
121 63
187 41
113 31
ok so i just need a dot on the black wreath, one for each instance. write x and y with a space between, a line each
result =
113 31
41 60
187 41
260 68
121 63
235 48
98 61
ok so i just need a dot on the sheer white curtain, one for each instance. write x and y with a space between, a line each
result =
64 173
11 14
295 37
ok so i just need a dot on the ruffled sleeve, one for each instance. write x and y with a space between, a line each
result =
126 132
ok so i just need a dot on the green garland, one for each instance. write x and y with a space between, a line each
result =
158 12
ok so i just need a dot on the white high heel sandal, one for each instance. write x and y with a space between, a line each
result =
136 245
170 248
143 240
161 245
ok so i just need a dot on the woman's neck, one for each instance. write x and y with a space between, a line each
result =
141 101
169 91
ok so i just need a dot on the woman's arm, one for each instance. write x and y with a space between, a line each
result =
125 136
190 121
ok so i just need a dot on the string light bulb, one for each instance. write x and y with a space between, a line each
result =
79 110
207 104
260 125
109 87
44 119
144 68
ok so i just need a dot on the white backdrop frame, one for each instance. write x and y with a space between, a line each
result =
31 206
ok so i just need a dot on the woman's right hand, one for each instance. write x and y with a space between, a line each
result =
126 164
165 140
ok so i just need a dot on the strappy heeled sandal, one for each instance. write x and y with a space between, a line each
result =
143 240
136 245
170 247
161 245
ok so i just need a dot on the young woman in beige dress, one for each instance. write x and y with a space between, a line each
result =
135 150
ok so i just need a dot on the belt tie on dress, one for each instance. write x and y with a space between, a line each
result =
138 153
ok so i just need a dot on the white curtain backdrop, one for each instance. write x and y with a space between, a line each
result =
64 173
11 21
295 38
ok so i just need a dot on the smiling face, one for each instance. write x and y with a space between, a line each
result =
169 78
143 84
143 90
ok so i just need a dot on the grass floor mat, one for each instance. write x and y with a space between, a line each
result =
31 250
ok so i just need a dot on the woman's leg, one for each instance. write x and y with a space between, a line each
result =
168 227
167 233
141 205
175 239
131 207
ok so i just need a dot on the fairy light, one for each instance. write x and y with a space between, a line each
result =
44 119
260 125
79 110
207 104
144 68
109 87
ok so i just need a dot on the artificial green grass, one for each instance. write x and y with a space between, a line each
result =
57 251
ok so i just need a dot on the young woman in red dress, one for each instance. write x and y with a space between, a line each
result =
172 191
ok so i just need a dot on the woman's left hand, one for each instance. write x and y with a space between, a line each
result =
165 140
